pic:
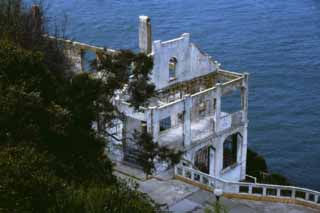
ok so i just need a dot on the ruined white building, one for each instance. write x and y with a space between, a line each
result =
200 109
187 113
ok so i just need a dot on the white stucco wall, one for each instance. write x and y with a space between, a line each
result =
191 61
233 174
132 125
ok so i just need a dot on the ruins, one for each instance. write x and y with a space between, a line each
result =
200 109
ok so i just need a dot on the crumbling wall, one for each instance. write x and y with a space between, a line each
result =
191 62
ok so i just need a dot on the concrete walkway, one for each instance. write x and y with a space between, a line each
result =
199 200
182 197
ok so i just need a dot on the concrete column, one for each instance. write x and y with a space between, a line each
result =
244 97
188 156
152 117
187 121
244 151
217 114
239 149
36 16
155 125
145 37
124 136
212 161
218 157
149 113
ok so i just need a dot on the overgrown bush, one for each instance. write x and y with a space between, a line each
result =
27 183
257 167
51 159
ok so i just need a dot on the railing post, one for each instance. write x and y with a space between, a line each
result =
264 191
183 172
293 193
306 196
278 192
175 170
316 197
250 189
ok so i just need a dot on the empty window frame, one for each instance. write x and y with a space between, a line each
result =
165 124
230 149
172 68
87 59
202 109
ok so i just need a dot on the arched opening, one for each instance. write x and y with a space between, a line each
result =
87 57
230 149
172 68
204 160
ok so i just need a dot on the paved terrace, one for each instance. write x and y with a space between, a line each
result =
183 197
173 137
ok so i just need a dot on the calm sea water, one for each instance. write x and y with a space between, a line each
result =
277 42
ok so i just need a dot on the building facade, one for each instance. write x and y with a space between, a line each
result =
199 108
188 111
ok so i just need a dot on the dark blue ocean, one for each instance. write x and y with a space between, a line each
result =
276 41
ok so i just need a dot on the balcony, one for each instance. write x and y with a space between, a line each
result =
201 130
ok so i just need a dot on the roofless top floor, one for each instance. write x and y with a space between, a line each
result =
212 87
190 111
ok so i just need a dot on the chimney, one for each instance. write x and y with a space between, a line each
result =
36 16
145 38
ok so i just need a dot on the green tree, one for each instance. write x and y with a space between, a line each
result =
46 117
257 167
28 183
150 152
62 126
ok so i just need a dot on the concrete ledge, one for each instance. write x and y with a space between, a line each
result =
200 185
252 197
273 199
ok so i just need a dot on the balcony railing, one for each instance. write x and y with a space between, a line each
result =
275 192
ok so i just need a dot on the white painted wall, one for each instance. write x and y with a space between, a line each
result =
191 61
233 174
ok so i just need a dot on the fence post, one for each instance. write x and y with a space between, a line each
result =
264 191
250 189
183 172
306 196
293 193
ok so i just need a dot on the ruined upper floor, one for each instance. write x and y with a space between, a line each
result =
175 61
